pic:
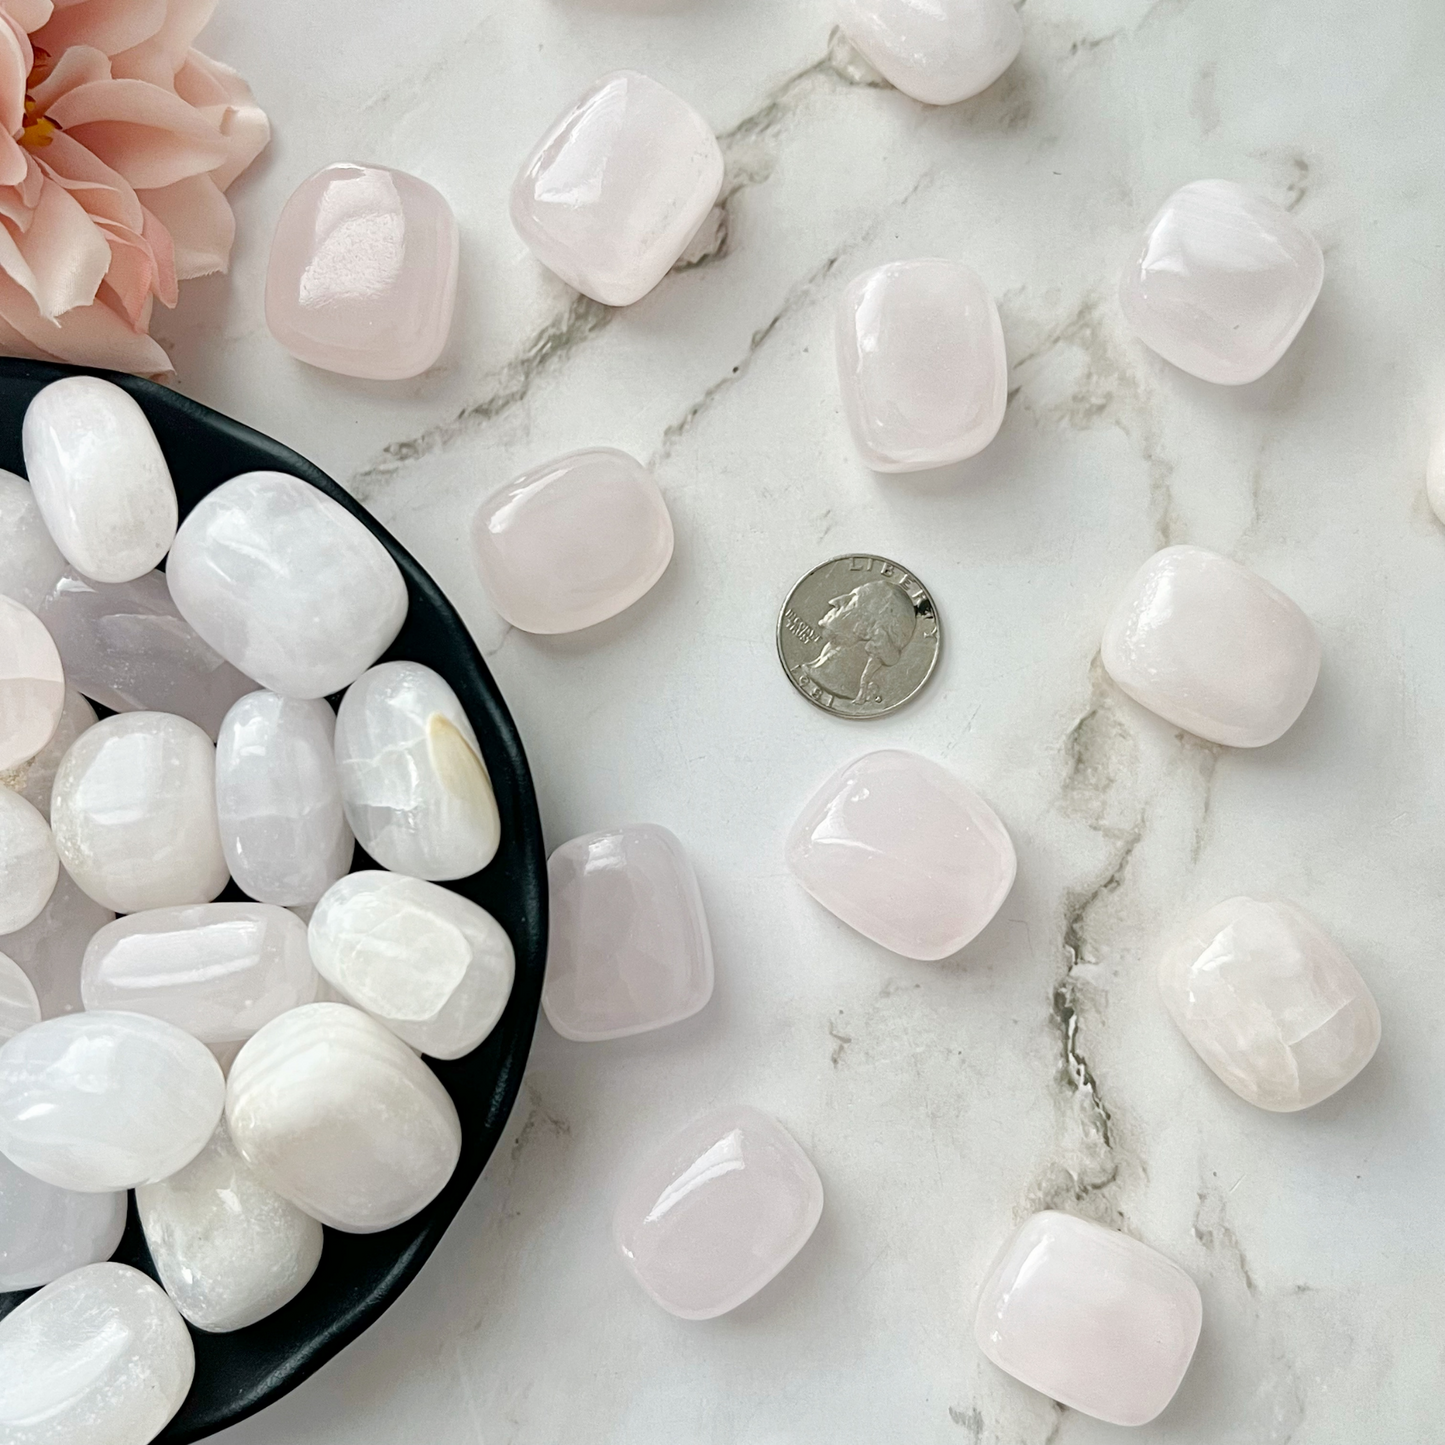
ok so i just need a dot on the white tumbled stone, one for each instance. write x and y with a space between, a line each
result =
100 1101
99 1357
30 562
417 793
217 970
29 865
286 584
278 798
100 480
134 813
32 685
34 779
228 1249
46 1232
19 1003
49 950
434 967
337 1115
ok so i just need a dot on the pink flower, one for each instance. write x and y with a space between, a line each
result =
117 143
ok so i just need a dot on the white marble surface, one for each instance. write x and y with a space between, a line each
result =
941 1102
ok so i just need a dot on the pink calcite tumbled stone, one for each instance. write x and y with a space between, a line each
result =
717 1212
32 684
1090 1317
572 542
363 272
905 852
617 187
629 948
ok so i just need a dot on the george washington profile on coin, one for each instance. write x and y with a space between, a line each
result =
867 630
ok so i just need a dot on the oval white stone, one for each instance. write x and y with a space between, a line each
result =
417 793
100 1357
134 813
286 584
32 685
229 1250
50 949
34 780
100 480
19 1003
28 862
30 562
46 1232
337 1115
100 1101
283 828
217 970
434 967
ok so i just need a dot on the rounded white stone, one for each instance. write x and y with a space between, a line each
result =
134 813
28 862
30 562
100 480
19 1003
217 970
46 1232
434 967
286 584
100 1357
283 828
417 793
229 1250
337 1115
50 949
34 779
101 1101
32 685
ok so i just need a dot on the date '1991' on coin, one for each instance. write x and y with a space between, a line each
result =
859 636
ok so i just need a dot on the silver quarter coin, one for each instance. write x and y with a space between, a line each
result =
859 636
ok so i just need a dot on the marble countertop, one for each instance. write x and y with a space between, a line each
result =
940 1102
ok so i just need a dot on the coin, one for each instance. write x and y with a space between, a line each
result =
859 636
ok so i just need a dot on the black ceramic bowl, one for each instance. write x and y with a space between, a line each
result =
359 1275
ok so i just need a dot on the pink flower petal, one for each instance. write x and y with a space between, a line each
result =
109 25
243 124
93 335
27 14
200 223
67 256
164 285
14 163
158 58
14 68
80 65
77 169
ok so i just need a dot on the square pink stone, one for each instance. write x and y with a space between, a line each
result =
1089 1317
717 1212
363 272
629 948
905 852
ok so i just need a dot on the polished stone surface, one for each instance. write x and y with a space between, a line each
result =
28 862
921 364
101 1101
572 542
100 480
1270 1002
613 192
35 778
129 649
1090 1317
1212 647
363 272
938 51
32 685
100 1357
628 947
217 970
134 813
19 1003
46 1232
339 1116
1222 282
417 793
434 967
717 1211
229 1250
905 852
286 584
278 798
30 562
50 949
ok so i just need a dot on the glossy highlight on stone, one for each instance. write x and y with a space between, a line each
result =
940 51
1270 1002
30 562
1222 283
616 188
905 852
921 364
363 272
1212 648
434 967
29 864
19 1003
286 584
46 1232
572 542
32 685
339 1116
1089 1317
628 943
99 478
99 1357
717 1212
